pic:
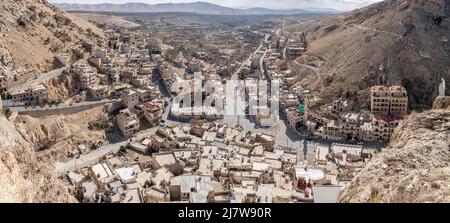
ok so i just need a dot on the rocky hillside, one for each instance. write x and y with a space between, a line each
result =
60 133
415 168
33 31
391 42
23 179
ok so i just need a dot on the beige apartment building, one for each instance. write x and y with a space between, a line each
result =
389 100
127 122
153 112
383 126
87 80
99 92
293 117
33 94
130 99
399 101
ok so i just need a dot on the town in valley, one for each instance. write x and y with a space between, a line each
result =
105 116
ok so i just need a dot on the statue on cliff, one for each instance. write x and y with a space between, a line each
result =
442 88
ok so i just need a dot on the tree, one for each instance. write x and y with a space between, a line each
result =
78 54
347 93
7 112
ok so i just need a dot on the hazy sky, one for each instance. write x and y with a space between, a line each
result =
276 4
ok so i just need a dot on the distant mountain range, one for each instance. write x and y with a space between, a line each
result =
195 7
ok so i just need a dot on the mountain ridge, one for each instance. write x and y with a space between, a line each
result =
194 7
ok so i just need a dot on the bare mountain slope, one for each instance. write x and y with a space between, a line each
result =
391 42
22 177
415 168
33 31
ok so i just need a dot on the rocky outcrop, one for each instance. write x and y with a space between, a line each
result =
442 103
415 167
22 177
54 131
62 87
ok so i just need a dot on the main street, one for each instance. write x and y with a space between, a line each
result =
285 137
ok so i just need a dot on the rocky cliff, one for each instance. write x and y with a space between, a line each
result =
415 167
57 137
442 103
22 177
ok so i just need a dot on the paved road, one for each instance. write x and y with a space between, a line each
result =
92 157
43 77
285 136
235 75
61 106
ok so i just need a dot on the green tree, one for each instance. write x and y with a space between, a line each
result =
7 112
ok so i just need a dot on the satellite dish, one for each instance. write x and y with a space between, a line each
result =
442 88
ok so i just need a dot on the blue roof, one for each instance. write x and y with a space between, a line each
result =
301 108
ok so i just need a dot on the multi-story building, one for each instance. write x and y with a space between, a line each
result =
99 92
37 93
340 106
332 131
141 81
294 49
81 67
384 126
87 80
127 122
153 112
128 73
389 100
293 117
130 99
399 101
